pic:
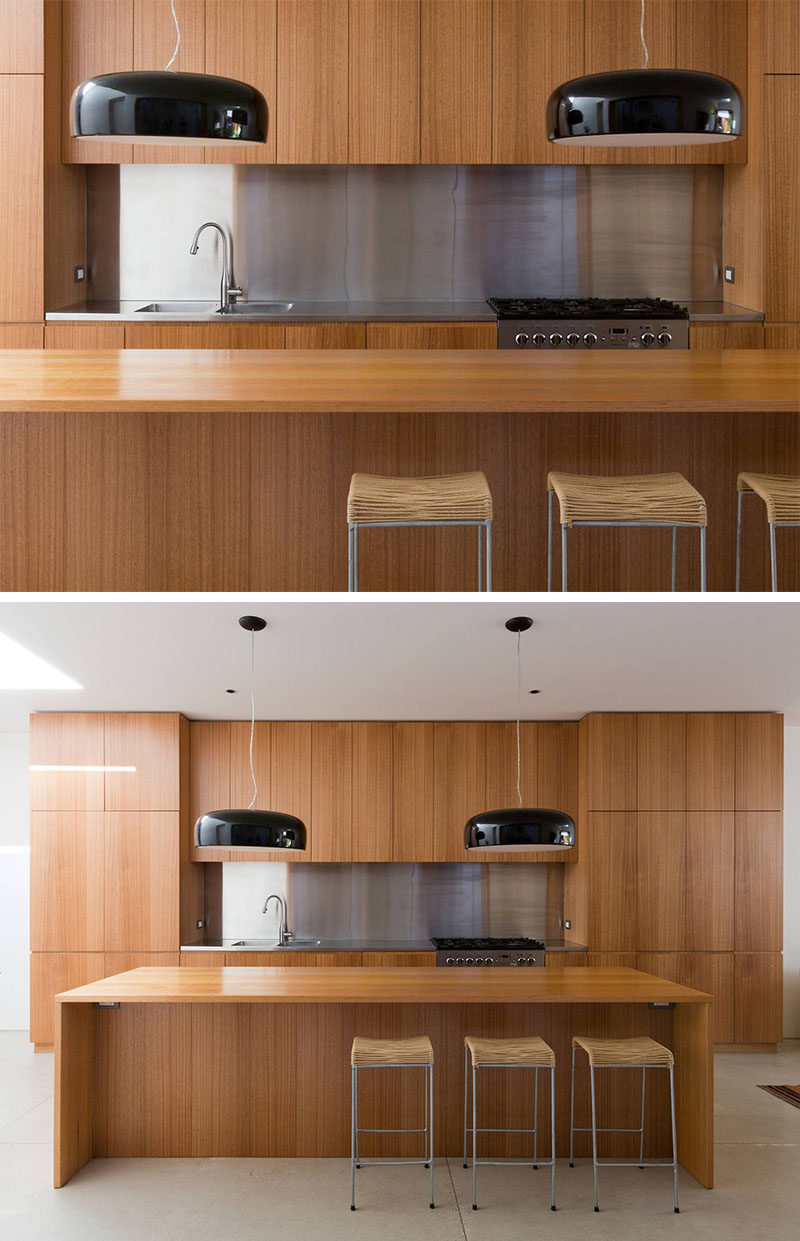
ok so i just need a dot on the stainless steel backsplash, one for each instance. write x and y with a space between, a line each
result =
388 901
375 233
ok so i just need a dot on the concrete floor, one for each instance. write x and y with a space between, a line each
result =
757 1194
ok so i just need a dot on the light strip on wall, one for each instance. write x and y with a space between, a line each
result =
75 767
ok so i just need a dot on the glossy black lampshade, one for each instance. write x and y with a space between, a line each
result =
645 107
168 108
251 829
520 829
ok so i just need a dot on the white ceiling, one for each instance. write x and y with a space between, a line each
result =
417 659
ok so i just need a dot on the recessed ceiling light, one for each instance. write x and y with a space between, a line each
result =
231 691
21 669
534 691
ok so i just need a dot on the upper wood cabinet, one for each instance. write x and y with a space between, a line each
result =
241 789
153 45
710 881
775 30
142 882
759 762
413 783
312 85
661 762
21 187
711 37
782 256
290 776
21 36
459 787
332 791
97 37
661 881
67 741
607 750
384 82
710 756
456 82
67 863
548 774
150 744
372 791
241 42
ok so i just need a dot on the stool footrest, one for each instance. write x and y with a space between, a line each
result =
360 1130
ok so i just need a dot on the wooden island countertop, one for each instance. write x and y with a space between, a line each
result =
396 381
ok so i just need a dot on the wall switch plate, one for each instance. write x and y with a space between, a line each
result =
200 925
567 924
78 275
729 275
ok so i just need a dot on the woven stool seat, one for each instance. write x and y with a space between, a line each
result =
627 1051
532 1052
449 497
378 1051
663 498
780 493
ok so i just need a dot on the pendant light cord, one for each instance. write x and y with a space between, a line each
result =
252 715
645 53
178 34
519 678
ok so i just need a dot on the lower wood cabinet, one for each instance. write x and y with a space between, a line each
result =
326 335
93 335
726 336
21 336
432 335
204 335
375 960
758 997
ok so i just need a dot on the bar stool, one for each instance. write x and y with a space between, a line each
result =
390 1053
628 500
781 496
623 1053
447 500
494 1053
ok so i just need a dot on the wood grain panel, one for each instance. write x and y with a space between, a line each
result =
431 335
459 786
312 83
120 962
201 960
153 45
84 335
372 791
758 997
607 757
710 757
611 855
727 336
332 791
384 82
394 960
21 36
710 882
290 776
326 335
51 973
22 107
74 1088
661 761
21 336
70 740
782 259
661 871
67 868
210 768
710 39
536 45
456 82
777 29
150 743
97 38
32 503
548 773
713 972
204 335
782 336
283 960
241 43
64 199
142 873
413 791
241 780
669 965
759 762
759 883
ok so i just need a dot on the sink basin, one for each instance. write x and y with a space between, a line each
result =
271 944
177 308
258 308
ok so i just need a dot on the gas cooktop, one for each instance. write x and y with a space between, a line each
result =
586 308
495 942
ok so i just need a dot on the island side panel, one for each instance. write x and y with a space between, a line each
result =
694 1089
75 1072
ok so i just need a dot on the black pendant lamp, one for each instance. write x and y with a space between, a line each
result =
251 829
169 108
520 829
645 107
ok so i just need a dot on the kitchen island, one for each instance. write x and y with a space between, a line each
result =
250 1061
204 470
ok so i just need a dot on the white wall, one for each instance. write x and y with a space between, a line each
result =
791 873
14 881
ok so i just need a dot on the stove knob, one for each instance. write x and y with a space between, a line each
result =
573 339
556 339
539 339
648 338
590 339
520 960
450 961
522 339
664 339
459 960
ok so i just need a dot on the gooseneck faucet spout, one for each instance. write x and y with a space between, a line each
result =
284 934
228 292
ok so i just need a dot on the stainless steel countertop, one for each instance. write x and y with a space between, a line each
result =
356 312
354 945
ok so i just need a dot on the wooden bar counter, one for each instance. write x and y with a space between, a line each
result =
249 1061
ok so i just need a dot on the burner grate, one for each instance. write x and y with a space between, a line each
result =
586 308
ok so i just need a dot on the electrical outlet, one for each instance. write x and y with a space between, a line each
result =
567 924
200 925
729 274
78 275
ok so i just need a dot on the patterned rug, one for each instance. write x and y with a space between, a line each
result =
790 1094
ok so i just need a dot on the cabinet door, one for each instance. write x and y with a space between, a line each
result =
459 787
710 755
758 997
150 743
67 878
661 762
759 882
548 773
372 792
607 756
661 864
21 336
63 741
241 778
21 102
775 27
312 88
384 82
713 972
204 335
121 962
394 960
536 45
209 767
84 336
326 335
52 973
709 881
726 336
21 36
456 82
241 43
711 38
290 777
782 274
97 37
332 791
782 336
610 850
412 814
153 45
431 335
759 762
142 869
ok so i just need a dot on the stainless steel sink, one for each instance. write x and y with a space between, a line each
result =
177 308
271 943
257 308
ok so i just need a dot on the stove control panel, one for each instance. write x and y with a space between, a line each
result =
473 959
568 335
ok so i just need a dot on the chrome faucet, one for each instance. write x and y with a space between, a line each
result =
284 934
228 292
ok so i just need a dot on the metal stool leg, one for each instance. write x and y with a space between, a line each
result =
353 1131
702 558
535 1117
553 1138
641 1131
480 559
430 1148
674 558
773 560
674 1137
488 556
549 540
355 558
563 557
349 556
739 541
594 1138
474 1142
466 1079
572 1115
